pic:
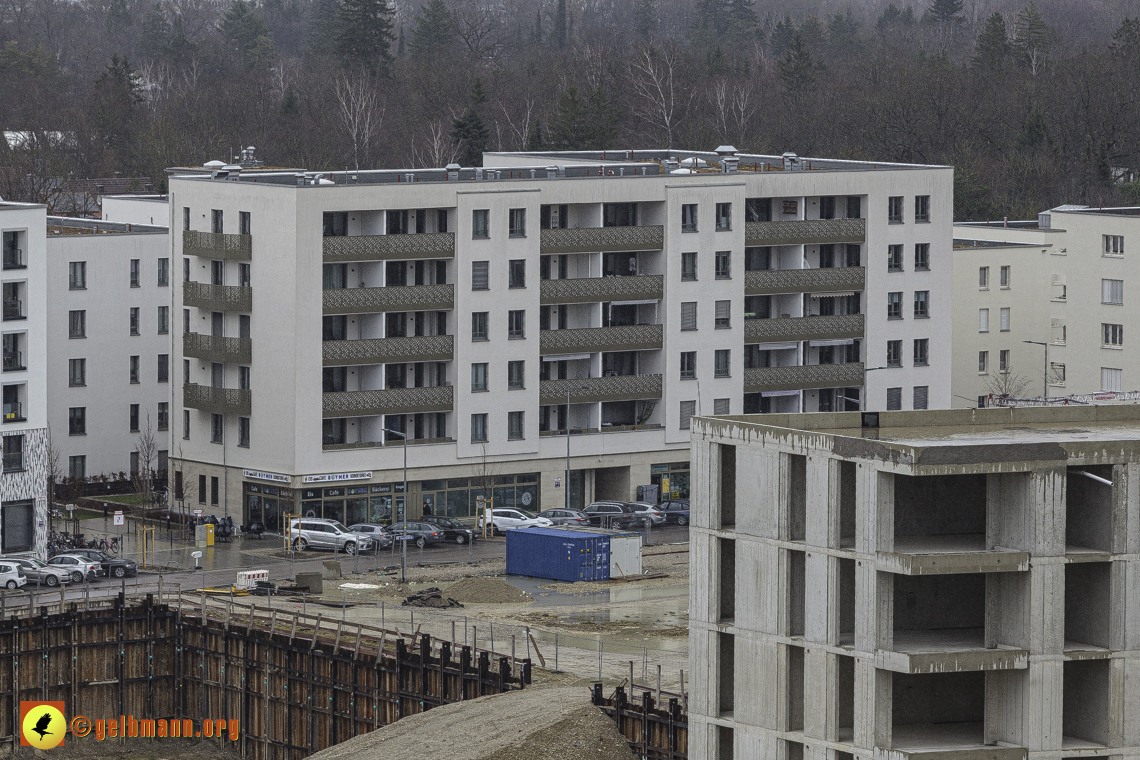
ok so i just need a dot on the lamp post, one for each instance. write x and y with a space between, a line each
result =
569 390
863 396
1045 389
392 519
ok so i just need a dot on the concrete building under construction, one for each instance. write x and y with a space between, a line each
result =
962 584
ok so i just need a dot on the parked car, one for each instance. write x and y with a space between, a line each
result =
321 533
422 533
39 572
569 517
453 530
113 567
505 519
378 533
650 510
675 512
78 566
12 575
615 514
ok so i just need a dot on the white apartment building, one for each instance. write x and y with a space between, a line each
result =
23 429
1058 282
108 344
484 312
149 210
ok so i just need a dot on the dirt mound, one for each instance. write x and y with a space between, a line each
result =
430 597
487 591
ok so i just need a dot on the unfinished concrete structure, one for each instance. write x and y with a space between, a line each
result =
950 585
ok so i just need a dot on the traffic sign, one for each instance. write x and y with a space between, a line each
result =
119 519
196 555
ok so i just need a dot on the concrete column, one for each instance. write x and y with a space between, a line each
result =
820 580
868 608
702 597
822 498
1009 521
1130 730
757 586
757 491
1043 715
819 694
866 684
700 513
1130 486
874 510
1047 538
701 654
1046 620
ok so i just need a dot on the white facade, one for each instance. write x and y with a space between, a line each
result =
135 209
618 343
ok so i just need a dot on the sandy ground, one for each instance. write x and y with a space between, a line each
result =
134 749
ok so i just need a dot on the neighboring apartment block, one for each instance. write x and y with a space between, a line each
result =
1044 297
956 584
108 344
483 313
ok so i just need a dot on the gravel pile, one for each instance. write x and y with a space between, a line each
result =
487 591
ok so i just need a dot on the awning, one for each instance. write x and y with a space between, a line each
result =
833 342
777 346
634 303
769 394
836 294
565 357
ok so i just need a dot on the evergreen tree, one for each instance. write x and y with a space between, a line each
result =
991 49
797 69
782 35
1034 133
115 103
155 40
812 31
434 31
536 33
119 16
534 137
323 26
249 34
1126 39
645 18
559 35
364 35
583 123
945 11
842 32
469 131
1031 36
743 27
893 17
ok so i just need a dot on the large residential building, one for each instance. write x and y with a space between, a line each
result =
483 313
1045 297
956 584
23 429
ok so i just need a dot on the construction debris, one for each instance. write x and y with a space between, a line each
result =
488 591
430 597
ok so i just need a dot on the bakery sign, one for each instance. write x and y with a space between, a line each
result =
337 477
270 476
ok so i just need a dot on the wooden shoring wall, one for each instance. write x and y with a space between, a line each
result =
652 733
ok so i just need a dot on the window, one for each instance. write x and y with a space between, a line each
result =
517 225
688 365
516 273
757 259
1003 361
1056 373
216 221
983 320
164 368
134 273
13 453
77 275
921 304
921 257
134 320
894 353
163 320
1114 245
185 217
186 424
1112 292
688 315
894 305
724 265
77 420
1110 380
76 372
689 217
243 432
921 214
479 325
854 206
334 276
758 210
827 207
164 415
723 315
721 362
895 215
480 224
1003 277
77 324
516 324
921 352
514 426
1004 319
217 272
479 280
723 216
921 394
689 266
721 405
216 428
134 364
186 270
1113 335
894 258
244 378
186 322
983 361
516 380
478 377
983 277
478 428
688 409
894 399
243 223
77 467
217 374
134 418
243 275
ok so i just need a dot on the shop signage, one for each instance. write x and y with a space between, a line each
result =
336 477
270 476
659 468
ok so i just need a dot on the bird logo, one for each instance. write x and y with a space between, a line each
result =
42 724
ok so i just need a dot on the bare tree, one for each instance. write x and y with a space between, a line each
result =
486 476
53 471
147 448
1007 384
179 471
360 113
437 149
664 99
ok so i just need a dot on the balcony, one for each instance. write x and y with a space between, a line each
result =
216 400
592 339
215 245
217 297
436 398
13 310
645 287
397 298
211 348
798 232
596 239
419 348
804 376
395 443
771 281
803 328
429 245
612 388
14 412
14 361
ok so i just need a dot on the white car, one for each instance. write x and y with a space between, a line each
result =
505 519
78 566
648 510
12 575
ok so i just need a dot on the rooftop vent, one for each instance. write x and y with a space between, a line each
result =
452 172
792 162
1044 220
728 164
694 163
213 165
726 150
670 164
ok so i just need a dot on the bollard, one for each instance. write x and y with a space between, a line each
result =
342 607
356 562
512 655
528 642
492 624
599 658
556 653
381 614
452 634
659 684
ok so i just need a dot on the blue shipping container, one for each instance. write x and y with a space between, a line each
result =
562 555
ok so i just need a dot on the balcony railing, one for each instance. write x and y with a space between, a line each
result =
768 281
591 339
419 348
436 398
796 232
394 443
803 328
806 376
216 245
397 298
14 258
14 361
216 400
643 287
14 310
14 412
430 245
591 239
214 349
217 297
589 389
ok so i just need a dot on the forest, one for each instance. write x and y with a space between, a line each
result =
1035 103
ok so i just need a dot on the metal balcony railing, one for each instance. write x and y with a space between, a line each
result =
594 289
217 400
771 281
215 349
591 389
13 412
804 376
216 245
438 398
591 339
14 310
14 361
591 239
429 245
797 232
803 328
217 297
396 298
419 348
14 258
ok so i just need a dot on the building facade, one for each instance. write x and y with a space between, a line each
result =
484 312
960 584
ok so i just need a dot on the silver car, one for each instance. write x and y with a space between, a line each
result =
320 533
39 572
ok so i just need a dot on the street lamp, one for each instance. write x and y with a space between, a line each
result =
1045 390
392 518
863 396
569 390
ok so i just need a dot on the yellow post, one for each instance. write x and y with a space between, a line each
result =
287 542
144 537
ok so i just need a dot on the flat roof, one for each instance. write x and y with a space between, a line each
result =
977 243
66 225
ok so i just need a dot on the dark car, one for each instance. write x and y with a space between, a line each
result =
676 512
570 517
614 514
453 530
113 567
422 533
378 533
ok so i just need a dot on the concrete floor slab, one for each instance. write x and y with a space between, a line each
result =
948 651
946 554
